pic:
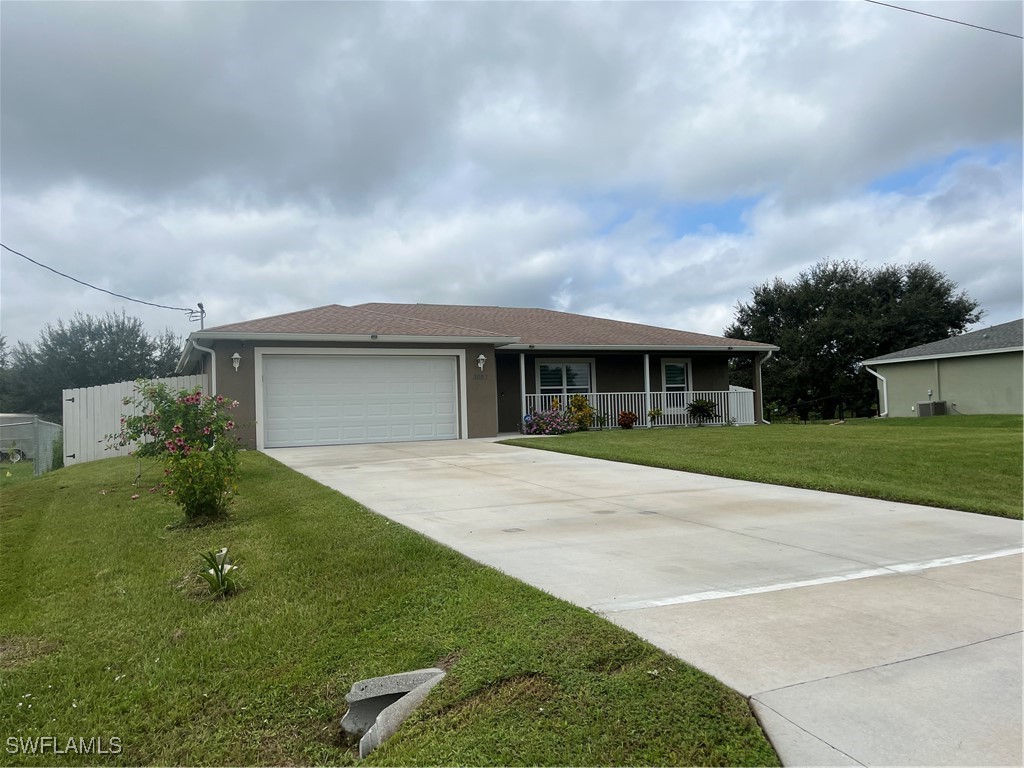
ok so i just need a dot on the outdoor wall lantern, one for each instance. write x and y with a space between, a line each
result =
480 361
236 360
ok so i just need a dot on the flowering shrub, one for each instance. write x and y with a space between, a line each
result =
581 412
627 419
552 422
190 432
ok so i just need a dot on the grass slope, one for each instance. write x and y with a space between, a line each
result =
103 633
13 473
971 463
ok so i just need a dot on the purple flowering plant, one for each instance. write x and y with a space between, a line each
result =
551 422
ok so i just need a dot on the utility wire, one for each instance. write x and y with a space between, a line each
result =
96 288
943 18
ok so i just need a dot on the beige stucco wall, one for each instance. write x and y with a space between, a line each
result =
481 397
972 384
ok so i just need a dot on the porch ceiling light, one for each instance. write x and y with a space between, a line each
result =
236 360
480 361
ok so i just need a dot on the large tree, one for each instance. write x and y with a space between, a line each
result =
836 314
83 352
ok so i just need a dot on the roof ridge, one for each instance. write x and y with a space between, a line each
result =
361 310
429 322
741 342
274 317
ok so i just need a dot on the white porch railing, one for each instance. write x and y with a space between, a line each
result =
735 407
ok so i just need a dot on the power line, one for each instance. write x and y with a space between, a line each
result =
96 288
943 18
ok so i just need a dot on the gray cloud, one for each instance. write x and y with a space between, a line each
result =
265 157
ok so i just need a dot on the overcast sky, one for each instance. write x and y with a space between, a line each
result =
646 162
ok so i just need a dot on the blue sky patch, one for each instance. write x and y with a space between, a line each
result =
922 177
678 220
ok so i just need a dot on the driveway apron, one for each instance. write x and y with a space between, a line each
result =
864 632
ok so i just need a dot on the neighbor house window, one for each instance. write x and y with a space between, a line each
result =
676 375
564 377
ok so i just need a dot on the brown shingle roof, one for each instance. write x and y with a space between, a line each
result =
541 327
549 327
334 319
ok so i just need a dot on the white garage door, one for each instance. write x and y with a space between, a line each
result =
338 399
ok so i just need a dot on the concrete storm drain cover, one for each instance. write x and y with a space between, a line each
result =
379 705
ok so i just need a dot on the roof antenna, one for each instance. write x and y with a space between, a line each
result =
199 315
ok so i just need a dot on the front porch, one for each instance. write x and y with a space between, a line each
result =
735 406
641 381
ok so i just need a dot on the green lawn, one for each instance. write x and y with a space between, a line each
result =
12 473
961 462
104 633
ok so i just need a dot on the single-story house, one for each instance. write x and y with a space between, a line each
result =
394 372
977 372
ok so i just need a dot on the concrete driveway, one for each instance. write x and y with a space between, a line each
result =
864 632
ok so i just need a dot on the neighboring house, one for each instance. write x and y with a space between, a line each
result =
394 372
976 372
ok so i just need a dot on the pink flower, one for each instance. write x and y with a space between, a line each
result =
206 430
234 403
177 429
170 445
179 441
220 399
229 425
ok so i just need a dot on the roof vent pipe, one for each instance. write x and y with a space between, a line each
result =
213 367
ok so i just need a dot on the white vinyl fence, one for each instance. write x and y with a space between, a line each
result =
92 413
732 407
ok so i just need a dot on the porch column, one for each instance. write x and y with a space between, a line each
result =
522 385
647 389
758 404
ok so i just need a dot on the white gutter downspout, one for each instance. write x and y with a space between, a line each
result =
647 389
885 392
760 389
522 386
213 367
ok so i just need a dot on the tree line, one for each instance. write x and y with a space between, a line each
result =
835 315
83 352
825 322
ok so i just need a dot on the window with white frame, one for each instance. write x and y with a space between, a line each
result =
675 374
564 377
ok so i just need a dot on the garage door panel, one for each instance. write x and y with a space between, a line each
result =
336 399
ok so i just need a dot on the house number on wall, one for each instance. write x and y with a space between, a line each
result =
479 377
